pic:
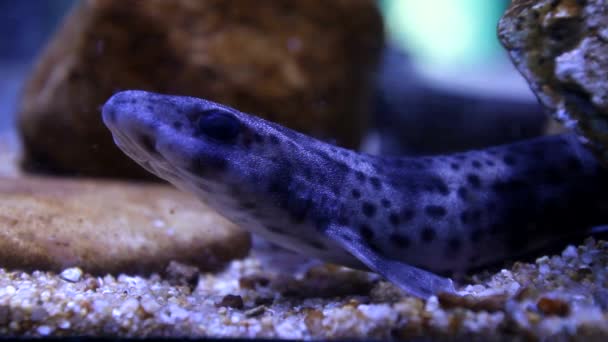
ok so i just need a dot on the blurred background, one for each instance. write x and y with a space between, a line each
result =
24 28
451 44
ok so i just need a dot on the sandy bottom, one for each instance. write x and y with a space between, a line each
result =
558 296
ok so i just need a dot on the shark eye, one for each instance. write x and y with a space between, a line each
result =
219 125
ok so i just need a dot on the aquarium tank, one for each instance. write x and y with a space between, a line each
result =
303 169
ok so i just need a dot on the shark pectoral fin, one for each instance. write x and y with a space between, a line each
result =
413 280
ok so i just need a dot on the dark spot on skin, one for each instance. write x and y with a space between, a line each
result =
385 203
396 162
393 219
307 172
325 156
298 207
275 187
356 193
366 232
474 180
342 167
274 140
400 240
490 163
538 153
464 217
454 166
509 160
374 247
368 209
574 164
435 211
476 164
463 193
360 176
375 182
177 125
343 221
321 223
476 235
438 185
417 165
335 189
407 214
476 215
454 244
247 141
427 234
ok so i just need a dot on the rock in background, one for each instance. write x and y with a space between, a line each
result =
561 48
305 64
110 227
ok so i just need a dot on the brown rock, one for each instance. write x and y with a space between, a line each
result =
303 63
561 48
553 306
232 301
110 227
491 303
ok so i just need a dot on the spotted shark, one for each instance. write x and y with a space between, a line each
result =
413 220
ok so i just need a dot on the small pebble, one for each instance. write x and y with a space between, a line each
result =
44 330
570 252
258 310
72 274
232 301
555 307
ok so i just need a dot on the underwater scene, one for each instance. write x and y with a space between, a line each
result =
304 169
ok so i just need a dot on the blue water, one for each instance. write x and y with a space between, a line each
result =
25 27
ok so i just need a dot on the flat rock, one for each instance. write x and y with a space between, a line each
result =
561 48
110 227
303 63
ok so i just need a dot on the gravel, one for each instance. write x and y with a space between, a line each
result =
559 296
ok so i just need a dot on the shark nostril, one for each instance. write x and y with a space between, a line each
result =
108 114
148 143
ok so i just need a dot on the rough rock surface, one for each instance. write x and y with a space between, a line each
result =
561 48
104 226
303 63
107 226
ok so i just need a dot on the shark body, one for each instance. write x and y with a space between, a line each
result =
409 219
